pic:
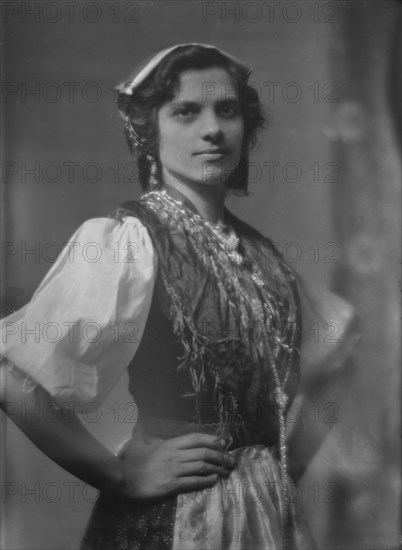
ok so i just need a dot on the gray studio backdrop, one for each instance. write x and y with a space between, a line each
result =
65 160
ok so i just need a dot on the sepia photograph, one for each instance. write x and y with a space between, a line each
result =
200 268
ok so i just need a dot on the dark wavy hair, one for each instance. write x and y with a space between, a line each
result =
161 86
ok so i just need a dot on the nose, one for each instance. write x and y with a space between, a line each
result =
211 128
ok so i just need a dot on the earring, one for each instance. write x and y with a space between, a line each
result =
153 180
136 139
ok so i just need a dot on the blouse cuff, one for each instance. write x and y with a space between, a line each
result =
29 383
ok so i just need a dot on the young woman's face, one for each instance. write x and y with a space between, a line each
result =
201 129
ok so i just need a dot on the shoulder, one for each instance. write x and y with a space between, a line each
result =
108 229
245 230
106 247
262 248
243 226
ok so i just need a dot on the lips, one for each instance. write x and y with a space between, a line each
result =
212 155
212 152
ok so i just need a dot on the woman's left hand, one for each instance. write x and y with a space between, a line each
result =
158 468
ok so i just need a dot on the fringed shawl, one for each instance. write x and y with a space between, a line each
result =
219 311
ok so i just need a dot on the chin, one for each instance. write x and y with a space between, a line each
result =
214 175
210 182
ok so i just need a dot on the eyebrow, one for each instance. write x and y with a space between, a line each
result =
194 104
184 103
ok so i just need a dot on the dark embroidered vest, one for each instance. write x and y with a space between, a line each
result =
202 357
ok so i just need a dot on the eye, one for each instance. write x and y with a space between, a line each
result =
185 112
229 110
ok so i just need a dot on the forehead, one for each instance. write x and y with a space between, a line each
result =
212 84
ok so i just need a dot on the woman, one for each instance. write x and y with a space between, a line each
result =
214 365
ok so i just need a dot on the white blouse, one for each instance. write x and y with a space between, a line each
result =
86 319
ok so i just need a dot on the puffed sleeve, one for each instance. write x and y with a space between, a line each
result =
86 319
330 328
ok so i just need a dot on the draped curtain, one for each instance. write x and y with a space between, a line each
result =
365 131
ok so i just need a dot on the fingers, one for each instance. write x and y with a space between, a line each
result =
207 455
193 440
200 468
195 483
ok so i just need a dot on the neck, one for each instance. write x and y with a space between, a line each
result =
208 199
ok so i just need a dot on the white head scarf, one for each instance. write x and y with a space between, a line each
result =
127 87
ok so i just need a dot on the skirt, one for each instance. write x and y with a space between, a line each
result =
247 510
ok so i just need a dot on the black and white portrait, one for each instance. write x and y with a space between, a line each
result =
200 275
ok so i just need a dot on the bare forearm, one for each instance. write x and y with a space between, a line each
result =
306 439
319 410
61 436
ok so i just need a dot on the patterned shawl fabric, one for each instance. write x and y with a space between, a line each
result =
220 308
